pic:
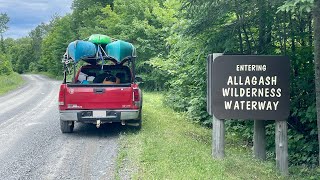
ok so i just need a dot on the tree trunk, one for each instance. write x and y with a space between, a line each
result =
247 39
316 16
239 21
285 34
262 26
302 27
240 35
310 30
269 29
292 35
253 40
278 29
2 46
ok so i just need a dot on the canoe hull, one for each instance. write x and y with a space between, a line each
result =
120 50
78 50
100 39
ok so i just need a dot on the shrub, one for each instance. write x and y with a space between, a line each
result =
5 65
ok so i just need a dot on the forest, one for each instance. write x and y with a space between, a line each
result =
173 39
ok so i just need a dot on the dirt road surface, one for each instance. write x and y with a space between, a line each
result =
32 146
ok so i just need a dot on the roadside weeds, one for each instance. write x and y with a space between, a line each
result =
10 82
171 147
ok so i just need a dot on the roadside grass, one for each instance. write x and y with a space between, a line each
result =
59 77
171 147
50 75
10 82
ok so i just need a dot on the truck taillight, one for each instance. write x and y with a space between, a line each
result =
62 95
136 97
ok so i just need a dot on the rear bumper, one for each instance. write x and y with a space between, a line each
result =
111 115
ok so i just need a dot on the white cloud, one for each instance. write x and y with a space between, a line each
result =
26 15
17 33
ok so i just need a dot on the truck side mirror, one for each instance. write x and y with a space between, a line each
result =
138 79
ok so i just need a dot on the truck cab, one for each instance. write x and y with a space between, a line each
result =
101 94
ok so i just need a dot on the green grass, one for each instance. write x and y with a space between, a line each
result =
50 75
171 147
10 82
59 77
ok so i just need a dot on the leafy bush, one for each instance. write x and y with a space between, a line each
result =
33 67
5 65
10 82
208 28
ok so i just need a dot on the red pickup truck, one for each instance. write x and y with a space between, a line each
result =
88 99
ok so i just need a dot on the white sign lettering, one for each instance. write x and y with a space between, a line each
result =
234 89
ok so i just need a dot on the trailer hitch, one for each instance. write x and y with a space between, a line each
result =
98 124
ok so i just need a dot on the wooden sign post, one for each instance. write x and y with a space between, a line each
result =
282 146
218 128
259 140
250 87
218 136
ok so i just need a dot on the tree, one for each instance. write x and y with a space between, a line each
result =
173 38
4 19
316 16
55 43
87 15
5 65
146 24
306 5
36 36
20 54
236 26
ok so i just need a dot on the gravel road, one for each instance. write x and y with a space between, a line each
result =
32 146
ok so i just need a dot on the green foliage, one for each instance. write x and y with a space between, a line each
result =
10 82
244 27
4 19
187 84
27 50
146 24
297 5
5 65
86 17
20 55
85 12
33 67
55 43
171 147
173 38
37 35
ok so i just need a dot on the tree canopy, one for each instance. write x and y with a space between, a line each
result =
4 19
173 39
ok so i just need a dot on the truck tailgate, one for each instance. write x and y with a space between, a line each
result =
99 97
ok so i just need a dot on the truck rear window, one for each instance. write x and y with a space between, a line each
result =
109 74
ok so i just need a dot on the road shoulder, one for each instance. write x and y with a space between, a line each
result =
9 83
169 146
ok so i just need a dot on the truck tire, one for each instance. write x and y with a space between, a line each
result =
139 121
66 126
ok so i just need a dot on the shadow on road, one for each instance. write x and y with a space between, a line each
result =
105 130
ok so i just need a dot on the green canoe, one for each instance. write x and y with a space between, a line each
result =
120 50
100 39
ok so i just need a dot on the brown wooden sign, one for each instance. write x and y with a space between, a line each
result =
250 87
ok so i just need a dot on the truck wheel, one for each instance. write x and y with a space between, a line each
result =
66 126
139 121
135 124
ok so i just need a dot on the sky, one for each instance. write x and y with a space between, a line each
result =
25 15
